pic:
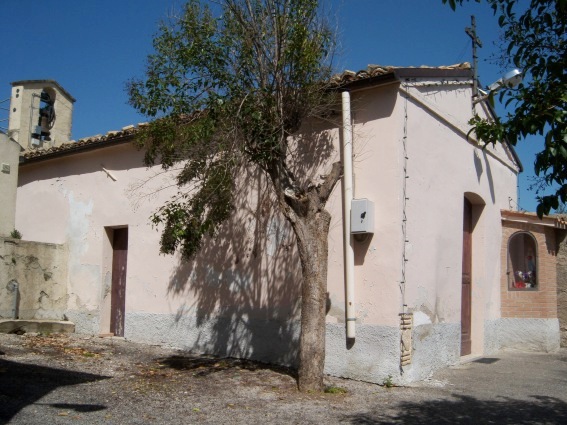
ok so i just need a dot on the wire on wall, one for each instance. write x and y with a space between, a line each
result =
405 199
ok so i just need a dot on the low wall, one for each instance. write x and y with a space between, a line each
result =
33 280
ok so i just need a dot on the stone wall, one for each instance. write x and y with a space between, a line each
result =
33 280
9 158
562 285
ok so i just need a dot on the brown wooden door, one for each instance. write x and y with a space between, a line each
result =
118 296
466 280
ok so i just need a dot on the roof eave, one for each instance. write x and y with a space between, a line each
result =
398 74
554 220
368 82
78 149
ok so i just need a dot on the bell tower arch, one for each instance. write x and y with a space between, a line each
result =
41 114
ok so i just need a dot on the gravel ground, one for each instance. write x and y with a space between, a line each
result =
63 379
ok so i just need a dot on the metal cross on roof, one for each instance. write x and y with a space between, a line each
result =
471 32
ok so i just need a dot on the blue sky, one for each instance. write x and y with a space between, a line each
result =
92 48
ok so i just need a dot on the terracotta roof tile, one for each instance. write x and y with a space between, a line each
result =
378 70
82 144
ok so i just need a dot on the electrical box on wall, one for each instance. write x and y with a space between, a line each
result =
362 216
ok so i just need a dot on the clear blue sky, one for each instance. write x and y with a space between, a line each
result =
92 48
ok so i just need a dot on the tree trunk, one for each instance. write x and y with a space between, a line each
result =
306 212
312 242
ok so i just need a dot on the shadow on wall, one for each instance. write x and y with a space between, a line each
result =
468 410
23 384
244 286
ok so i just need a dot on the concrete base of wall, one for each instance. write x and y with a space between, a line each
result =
522 334
269 341
86 322
435 346
373 357
40 326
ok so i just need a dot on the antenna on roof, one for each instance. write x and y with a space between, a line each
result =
471 32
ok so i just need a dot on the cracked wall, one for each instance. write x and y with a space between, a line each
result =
33 280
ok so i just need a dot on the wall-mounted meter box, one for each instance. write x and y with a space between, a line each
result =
362 216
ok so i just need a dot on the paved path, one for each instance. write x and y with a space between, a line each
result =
509 388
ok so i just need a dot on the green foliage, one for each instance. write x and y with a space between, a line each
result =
15 234
228 84
388 382
335 390
536 43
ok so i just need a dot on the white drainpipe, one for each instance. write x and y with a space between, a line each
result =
347 202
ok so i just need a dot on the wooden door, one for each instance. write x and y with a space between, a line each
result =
118 294
466 280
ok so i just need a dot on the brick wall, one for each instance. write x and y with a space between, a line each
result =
562 285
539 303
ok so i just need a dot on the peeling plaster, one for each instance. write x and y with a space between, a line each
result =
84 277
420 318
107 284
78 225
40 271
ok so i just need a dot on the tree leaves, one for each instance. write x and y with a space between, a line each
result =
537 43
227 86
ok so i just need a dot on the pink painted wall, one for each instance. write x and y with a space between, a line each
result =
79 201
252 268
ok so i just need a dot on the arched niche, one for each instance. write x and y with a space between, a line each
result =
522 262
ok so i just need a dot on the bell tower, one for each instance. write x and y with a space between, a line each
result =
41 114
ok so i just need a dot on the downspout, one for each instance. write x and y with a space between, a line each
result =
14 287
347 202
16 299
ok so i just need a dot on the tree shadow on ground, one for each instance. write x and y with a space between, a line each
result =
24 384
205 366
469 410
241 293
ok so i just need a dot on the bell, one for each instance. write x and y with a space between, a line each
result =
44 125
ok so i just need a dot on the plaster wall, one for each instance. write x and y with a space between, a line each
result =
248 272
443 168
241 293
9 160
377 176
33 280
248 275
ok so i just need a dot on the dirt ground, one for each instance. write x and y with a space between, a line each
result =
62 379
